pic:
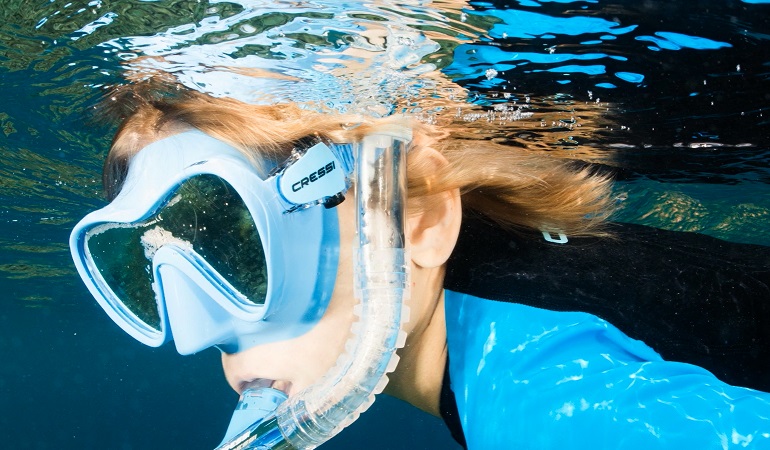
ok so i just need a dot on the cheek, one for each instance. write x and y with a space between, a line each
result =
304 359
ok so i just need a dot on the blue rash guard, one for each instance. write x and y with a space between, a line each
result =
530 378
551 345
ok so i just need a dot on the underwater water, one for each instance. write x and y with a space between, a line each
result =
672 98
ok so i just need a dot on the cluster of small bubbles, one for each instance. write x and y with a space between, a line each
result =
463 17
154 238
490 73
591 94
570 123
475 116
450 93
513 113
429 118
499 113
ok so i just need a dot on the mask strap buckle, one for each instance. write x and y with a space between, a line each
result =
320 175
560 239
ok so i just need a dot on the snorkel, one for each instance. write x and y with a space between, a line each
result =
319 412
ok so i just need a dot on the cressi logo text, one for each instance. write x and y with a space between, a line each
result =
313 177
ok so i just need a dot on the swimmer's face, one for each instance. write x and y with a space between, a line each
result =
293 365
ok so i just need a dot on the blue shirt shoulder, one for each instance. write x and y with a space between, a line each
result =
531 378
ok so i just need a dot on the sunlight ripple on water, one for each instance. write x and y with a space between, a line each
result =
676 112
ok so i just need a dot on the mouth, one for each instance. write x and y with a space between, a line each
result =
259 383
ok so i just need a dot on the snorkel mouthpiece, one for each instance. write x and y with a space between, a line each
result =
313 416
254 406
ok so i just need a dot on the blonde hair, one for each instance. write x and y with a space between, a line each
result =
512 187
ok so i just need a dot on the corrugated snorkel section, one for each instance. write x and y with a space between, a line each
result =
321 411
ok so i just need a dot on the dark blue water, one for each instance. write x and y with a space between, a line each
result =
670 97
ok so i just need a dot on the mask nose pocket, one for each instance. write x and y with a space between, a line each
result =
196 310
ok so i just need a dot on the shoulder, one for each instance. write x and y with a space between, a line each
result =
535 378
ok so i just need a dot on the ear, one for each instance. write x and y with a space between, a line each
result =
432 231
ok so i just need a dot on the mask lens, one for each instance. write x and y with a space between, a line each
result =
204 214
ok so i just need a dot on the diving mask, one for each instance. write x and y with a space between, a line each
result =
199 248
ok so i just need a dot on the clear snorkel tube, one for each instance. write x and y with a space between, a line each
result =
322 410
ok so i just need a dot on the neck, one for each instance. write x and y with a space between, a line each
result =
420 372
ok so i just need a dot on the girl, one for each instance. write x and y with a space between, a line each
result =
525 303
